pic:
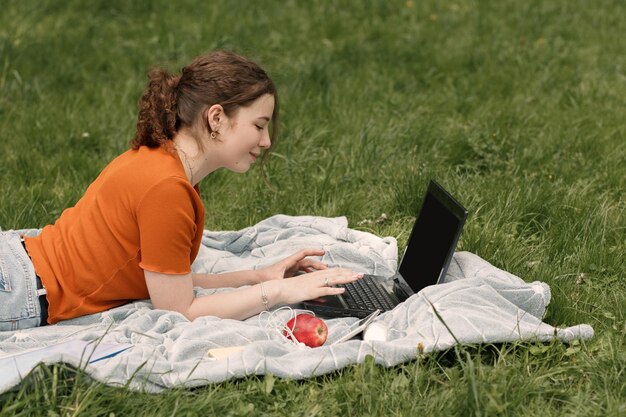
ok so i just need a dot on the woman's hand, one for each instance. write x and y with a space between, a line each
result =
317 282
288 267
310 286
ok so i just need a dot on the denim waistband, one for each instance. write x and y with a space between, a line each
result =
41 292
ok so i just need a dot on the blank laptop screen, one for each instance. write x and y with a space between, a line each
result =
434 232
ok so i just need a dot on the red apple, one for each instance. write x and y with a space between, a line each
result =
308 330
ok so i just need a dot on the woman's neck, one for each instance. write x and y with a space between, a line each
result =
196 162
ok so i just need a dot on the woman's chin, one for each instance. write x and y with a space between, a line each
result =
240 168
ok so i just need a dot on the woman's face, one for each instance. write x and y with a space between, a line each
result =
243 135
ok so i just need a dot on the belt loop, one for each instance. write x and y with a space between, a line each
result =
41 292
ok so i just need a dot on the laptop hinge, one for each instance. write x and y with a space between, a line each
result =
399 291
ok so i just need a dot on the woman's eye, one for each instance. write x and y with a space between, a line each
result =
259 127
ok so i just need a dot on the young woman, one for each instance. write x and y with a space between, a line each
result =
137 229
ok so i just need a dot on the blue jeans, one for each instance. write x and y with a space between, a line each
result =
19 302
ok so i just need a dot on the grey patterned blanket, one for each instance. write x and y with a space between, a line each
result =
477 303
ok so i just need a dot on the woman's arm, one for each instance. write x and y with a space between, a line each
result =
285 268
175 293
233 279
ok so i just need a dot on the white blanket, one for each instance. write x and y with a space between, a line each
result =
478 303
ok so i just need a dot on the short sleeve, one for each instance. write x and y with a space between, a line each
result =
166 216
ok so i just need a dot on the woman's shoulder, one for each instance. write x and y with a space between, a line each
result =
135 172
146 157
147 164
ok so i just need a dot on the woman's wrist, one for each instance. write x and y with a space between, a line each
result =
258 276
264 275
272 291
264 299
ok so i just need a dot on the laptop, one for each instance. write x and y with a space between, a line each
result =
425 261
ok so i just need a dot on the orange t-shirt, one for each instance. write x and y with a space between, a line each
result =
140 213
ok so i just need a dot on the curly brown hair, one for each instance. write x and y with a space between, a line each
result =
170 102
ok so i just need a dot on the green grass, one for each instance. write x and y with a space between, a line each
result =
516 107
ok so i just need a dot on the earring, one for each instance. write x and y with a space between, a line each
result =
214 135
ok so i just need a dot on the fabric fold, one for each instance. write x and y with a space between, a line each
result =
477 303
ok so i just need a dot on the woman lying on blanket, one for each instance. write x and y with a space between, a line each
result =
137 229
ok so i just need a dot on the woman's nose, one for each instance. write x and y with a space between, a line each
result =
266 142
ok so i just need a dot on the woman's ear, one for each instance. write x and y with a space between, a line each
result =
215 117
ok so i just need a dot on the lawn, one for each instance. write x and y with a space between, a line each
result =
517 107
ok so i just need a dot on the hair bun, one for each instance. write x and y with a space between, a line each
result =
173 80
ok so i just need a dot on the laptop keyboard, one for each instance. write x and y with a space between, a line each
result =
367 293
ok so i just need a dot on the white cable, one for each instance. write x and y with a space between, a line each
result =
275 324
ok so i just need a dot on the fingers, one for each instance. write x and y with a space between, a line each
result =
317 284
337 272
333 276
302 263
330 291
311 265
328 285
308 252
351 276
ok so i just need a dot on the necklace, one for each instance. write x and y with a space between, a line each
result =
186 162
